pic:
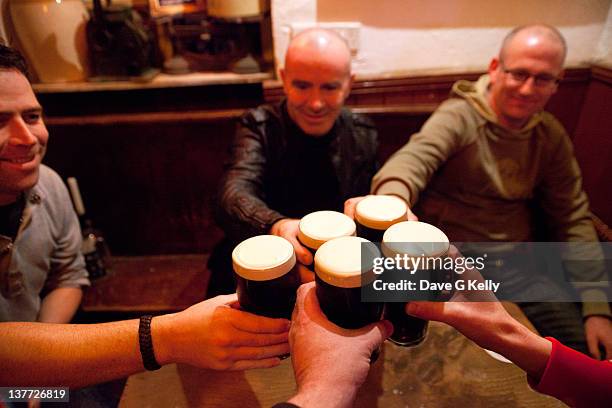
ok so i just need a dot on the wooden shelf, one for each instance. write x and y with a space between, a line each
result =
159 81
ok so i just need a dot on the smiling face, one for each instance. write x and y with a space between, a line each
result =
23 136
528 53
316 80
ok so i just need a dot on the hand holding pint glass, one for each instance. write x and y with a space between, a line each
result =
421 243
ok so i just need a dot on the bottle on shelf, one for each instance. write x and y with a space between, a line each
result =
94 249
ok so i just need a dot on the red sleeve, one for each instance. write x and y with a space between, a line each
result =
575 379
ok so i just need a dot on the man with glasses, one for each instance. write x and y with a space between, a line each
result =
41 268
490 152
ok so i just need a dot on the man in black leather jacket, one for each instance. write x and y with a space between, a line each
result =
307 153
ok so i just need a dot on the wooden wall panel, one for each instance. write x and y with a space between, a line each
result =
148 187
593 143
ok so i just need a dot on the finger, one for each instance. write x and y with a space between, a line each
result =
241 339
426 310
302 254
593 345
252 323
410 215
379 331
303 291
306 275
225 299
351 204
250 364
260 353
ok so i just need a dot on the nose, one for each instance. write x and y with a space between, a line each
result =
527 87
20 133
315 102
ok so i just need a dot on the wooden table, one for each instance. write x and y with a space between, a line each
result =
446 370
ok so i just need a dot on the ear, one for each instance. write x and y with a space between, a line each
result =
349 85
494 69
283 76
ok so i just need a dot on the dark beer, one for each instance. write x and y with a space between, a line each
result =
416 240
321 226
375 213
339 277
267 279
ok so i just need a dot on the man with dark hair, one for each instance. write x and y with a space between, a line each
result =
306 154
487 154
41 268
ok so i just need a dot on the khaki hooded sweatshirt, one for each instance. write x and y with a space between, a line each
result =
479 181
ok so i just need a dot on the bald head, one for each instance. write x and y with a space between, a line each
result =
546 37
319 46
317 79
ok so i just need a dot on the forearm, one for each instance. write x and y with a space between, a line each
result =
242 213
40 354
60 305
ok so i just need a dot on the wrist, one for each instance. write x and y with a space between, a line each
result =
526 349
164 339
324 393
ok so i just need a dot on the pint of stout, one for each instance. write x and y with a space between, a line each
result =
419 240
321 226
375 213
266 275
338 266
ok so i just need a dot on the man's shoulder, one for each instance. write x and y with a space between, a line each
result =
456 105
48 179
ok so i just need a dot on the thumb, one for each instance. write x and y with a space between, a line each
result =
379 331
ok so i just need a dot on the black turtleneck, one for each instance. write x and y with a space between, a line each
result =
312 179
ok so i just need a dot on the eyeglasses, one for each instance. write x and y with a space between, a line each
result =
521 76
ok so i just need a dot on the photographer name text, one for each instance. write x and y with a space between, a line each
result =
426 285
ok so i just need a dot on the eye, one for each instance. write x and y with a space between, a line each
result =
545 79
32 117
301 85
330 87
520 75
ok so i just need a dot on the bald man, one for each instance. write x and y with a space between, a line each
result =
490 152
305 154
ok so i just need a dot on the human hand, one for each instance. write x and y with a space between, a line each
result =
288 228
215 334
598 331
479 316
330 363
306 274
351 204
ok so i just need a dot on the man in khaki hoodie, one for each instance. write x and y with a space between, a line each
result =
491 150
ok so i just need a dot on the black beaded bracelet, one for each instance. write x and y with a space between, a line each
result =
146 344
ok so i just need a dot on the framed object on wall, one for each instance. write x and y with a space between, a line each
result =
172 7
